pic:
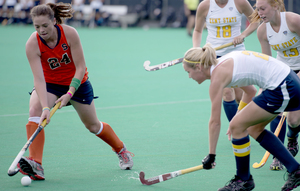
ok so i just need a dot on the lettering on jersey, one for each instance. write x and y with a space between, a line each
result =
65 59
285 44
256 54
54 63
64 47
222 20
214 20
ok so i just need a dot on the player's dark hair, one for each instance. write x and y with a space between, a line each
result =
57 11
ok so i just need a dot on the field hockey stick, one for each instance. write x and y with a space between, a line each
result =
167 176
12 169
174 62
267 154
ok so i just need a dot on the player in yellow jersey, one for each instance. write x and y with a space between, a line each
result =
190 7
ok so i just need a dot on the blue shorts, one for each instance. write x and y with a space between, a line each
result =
84 93
286 97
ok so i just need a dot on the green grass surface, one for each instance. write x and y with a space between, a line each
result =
162 117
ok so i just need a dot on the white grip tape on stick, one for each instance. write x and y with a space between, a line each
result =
160 178
176 173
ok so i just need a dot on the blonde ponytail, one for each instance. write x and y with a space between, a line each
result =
205 56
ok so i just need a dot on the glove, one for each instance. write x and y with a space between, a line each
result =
209 161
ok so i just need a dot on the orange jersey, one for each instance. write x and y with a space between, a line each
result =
57 62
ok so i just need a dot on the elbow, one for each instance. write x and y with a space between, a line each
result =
215 125
81 69
197 31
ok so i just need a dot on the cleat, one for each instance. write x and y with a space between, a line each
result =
293 146
31 168
237 184
125 159
276 165
293 181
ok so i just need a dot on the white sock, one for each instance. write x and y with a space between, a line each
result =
101 128
34 119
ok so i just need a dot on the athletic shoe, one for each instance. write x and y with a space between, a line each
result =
237 184
293 181
293 146
125 159
276 165
31 168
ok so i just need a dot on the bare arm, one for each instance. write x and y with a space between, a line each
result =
244 7
215 92
220 78
293 21
33 55
77 53
262 37
201 13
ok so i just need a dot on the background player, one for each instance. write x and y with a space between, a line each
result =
280 30
223 21
57 62
190 8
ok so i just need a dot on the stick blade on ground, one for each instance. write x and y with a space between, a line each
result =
149 181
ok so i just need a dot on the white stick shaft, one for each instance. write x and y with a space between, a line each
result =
15 162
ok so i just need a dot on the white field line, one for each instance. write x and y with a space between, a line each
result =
120 107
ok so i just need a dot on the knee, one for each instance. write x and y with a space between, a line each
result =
35 110
228 94
233 127
93 127
293 122
237 129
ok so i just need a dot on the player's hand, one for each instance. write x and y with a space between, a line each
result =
64 99
209 161
238 40
229 134
45 115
